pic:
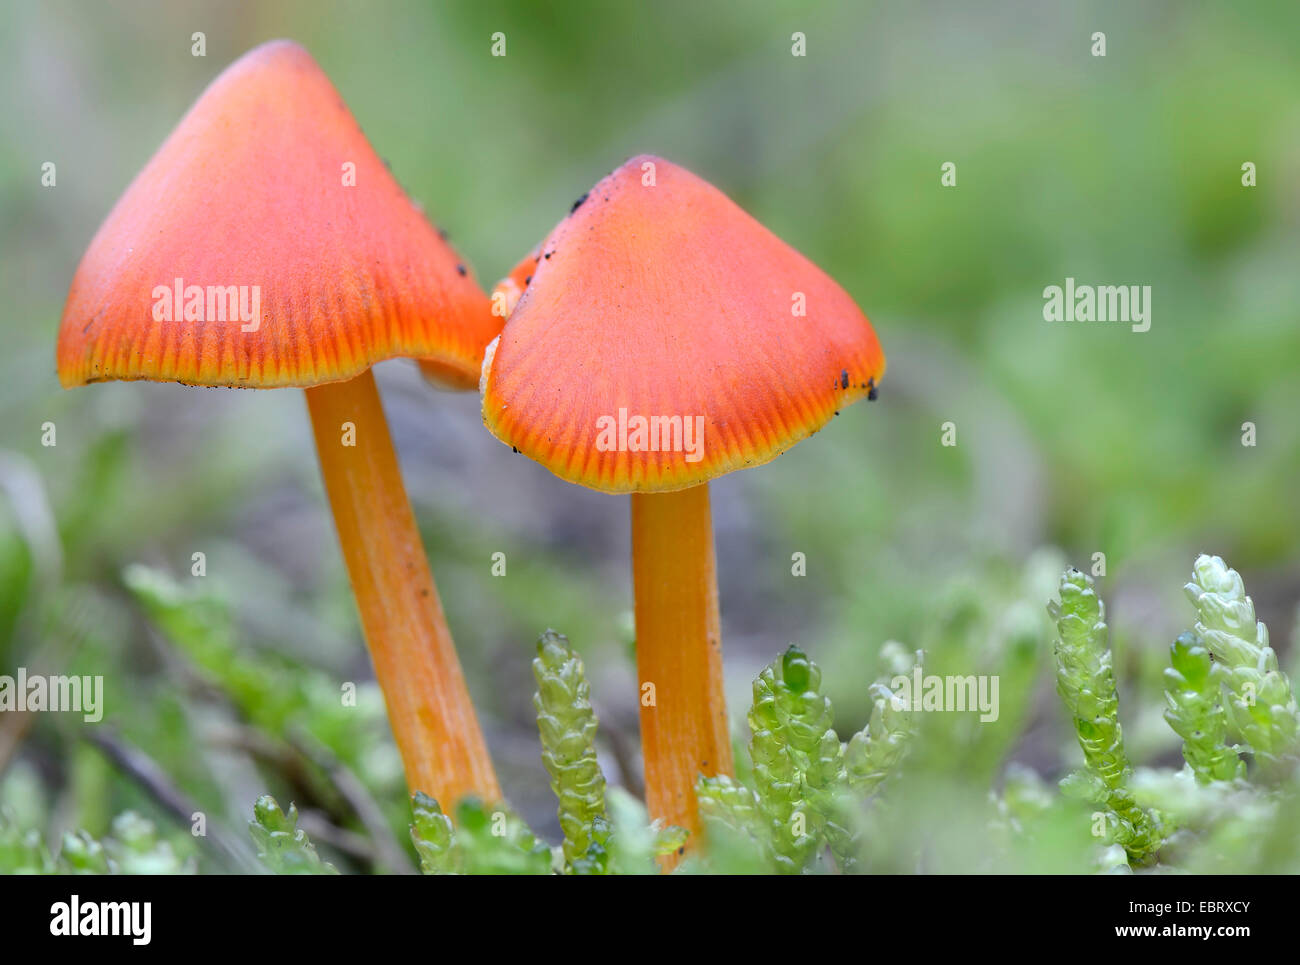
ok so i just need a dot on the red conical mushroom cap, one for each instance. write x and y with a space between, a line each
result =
268 190
658 298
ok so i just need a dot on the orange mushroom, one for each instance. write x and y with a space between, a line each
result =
266 245
664 337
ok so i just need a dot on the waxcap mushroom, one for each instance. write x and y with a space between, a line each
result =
661 337
657 297
266 245
267 199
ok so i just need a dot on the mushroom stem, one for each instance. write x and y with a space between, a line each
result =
415 661
679 650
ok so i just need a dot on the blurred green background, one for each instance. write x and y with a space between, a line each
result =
1084 438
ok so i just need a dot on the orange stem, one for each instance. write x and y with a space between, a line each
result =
678 650
415 661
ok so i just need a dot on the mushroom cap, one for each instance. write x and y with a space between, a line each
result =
250 196
662 300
